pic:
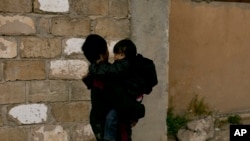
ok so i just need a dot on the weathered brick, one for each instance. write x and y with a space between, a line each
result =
72 47
33 47
79 91
71 112
29 113
1 121
13 134
43 26
16 6
48 91
111 44
1 118
70 26
68 69
24 70
1 71
51 5
12 92
119 8
49 133
91 7
83 132
16 25
112 28
8 47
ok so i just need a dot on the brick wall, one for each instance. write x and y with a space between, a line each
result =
42 97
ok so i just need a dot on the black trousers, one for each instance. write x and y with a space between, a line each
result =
99 110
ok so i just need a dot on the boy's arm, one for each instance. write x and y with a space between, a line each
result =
118 68
88 81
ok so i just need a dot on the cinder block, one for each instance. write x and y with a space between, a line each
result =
119 8
112 28
12 92
16 6
83 131
91 7
33 47
69 112
16 25
29 113
111 44
24 70
44 26
79 91
68 69
1 120
51 5
8 47
49 133
70 26
72 46
48 91
14 134
1 71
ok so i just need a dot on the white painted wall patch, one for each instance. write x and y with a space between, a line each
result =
30 113
54 5
73 45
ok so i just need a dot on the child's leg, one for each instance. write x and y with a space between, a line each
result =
110 129
125 131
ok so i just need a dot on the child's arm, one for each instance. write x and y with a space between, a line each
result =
103 69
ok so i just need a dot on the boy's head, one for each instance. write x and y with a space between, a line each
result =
124 49
93 47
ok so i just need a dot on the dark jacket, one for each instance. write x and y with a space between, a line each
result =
116 79
99 108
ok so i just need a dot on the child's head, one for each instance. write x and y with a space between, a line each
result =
124 49
94 47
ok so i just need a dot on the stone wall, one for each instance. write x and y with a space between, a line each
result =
42 97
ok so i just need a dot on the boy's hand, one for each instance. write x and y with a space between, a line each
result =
98 61
103 57
133 123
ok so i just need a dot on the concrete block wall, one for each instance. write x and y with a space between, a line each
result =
42 97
